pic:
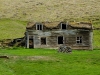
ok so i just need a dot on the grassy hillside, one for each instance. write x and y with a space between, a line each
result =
96 39
51 10
10 29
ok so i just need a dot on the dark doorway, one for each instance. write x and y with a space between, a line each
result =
31 42
60 40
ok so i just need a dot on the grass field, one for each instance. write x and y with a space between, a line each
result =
49 62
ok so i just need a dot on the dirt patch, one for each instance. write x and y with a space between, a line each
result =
40 58
33 57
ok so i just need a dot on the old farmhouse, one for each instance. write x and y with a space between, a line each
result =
53 34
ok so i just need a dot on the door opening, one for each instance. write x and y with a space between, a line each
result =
31 42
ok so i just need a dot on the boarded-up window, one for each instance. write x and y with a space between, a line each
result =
43 41
63 26
79 39
60 39
39 27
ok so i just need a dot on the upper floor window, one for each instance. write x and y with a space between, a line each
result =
79 40
39 27
63 26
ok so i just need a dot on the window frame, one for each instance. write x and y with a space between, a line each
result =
79 39
39 27
62 26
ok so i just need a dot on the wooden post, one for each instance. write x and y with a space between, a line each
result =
33 41
27 40
91 39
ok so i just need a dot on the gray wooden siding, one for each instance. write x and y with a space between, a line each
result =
69 35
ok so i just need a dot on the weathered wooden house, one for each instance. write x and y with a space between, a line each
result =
53 34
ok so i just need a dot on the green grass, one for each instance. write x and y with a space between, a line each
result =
96 39
52 63
10 29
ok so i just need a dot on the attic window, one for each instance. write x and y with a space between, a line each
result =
39 27
79 40
63 26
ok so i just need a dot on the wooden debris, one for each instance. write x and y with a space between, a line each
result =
6 57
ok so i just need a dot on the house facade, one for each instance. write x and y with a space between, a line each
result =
53 34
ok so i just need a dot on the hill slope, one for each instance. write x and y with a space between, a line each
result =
10 29
51 10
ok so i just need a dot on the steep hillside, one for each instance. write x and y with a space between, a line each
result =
48 10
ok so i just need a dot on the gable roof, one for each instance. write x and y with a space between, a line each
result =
76 25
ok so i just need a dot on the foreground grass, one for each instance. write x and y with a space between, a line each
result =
49 62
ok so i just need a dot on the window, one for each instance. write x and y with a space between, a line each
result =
43 41
79 40
63 26
39 27
60 40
